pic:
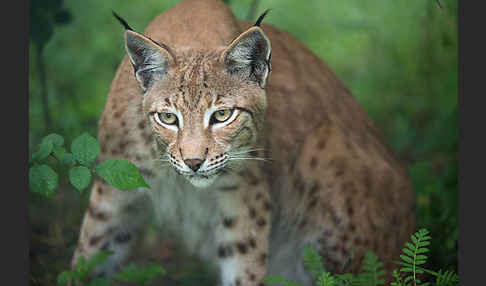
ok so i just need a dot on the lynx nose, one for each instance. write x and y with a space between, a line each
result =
194 164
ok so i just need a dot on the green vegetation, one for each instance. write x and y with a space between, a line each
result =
52 156
130 273
412 264
398 58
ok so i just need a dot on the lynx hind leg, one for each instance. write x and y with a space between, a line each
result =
112 222
353 198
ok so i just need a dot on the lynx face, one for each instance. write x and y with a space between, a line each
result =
205 109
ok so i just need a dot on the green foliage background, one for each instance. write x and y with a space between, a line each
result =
399 59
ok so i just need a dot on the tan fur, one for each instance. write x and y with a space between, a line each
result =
330 181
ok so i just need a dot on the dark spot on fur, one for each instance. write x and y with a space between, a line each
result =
252 242
252 179
252 212
339 165
312 203
105 246
95 240
349 207
298 184
313 163
118 114
123 237
321 144
335 219
263 258
261 222
314 188
267 206
229 222
366 242
97 215
258 196
242 248
344 238
303 223
252 277
99 190
225 251
229 188
141 124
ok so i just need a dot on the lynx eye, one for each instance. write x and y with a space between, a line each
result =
166 118
221 115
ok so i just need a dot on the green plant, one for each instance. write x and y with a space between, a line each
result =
52 155
140 275
371 271
413 256
130 273
83 270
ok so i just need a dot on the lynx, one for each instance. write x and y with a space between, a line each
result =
253 148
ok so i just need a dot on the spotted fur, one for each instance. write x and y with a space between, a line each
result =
300 164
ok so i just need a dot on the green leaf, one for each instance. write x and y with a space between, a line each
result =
97 259
271 279
80 177
406 258
59 153
408 252
45 150
140 275
63 278
81 272
312 262
153 270
56 139
43 180
121 174
85 149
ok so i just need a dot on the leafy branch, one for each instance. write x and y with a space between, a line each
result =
43 179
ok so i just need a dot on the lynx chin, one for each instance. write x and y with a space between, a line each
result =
253 149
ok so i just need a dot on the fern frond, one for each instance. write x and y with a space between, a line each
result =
398 279
346 279
413 255
448 278
371 271
313 262
325 279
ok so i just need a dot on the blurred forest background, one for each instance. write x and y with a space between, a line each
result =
399 59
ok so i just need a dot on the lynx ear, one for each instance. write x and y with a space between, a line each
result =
150 59
249 56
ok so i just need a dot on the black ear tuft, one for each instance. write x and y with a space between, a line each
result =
260 19
123 22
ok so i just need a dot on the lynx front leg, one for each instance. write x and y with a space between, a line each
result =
111 222
242 236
